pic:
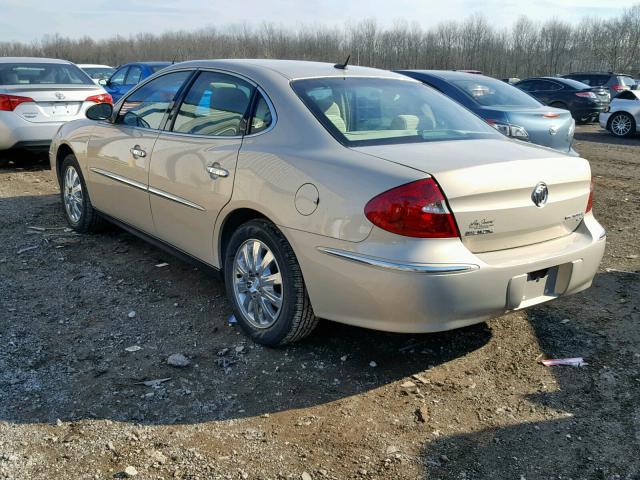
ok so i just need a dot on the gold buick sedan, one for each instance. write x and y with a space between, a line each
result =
330 191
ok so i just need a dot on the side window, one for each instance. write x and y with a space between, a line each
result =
133 77
261 118
147 106
215 105
548 86
526 86
117 78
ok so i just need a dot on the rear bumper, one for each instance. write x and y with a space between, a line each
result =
603 119
588 113
428 286
16 132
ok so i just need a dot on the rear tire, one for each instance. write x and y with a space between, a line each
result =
621 125
81 216
265 285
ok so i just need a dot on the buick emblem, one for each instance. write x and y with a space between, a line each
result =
540 194
59 95
553 130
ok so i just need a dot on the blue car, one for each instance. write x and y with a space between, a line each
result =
127 76
507 108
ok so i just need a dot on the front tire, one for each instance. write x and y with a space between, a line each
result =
621 124
81 215
265 285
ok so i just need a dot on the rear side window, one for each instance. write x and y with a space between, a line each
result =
42 74
261 118
148 105
215 105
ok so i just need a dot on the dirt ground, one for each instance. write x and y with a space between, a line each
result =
74 405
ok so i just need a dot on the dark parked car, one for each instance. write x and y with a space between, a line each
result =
584 102
614 82
130 74
509 110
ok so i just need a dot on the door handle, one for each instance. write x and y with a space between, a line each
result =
216 171
138 152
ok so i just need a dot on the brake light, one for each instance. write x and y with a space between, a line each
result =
100 98
618 88
8 103
592 189
551 115
586 94
416 209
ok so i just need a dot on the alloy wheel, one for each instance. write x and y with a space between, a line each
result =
621 125
257 283
73 195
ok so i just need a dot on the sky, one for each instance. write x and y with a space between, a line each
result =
28 20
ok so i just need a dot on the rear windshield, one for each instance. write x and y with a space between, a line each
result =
99 73
42 74
573 83
627 81
489 92
360 111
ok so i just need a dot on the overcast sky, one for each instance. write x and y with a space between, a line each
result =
26 20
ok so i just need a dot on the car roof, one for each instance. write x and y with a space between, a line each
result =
150 64
92 65
449 74
32 60
290 69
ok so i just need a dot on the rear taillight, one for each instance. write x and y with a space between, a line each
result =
586 95
8 103
617 88
551 115
100 98
417 209
592 188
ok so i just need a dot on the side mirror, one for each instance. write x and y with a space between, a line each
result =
100 111
103 82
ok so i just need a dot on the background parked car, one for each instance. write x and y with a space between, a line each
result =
37 95
614 82
506 108
584 102
98 73
622 118
130 74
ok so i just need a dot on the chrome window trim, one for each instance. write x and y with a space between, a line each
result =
119 178
146 188
407 267
175 198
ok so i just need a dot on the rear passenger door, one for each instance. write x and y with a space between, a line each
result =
194 161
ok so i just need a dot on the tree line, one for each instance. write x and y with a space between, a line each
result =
523 49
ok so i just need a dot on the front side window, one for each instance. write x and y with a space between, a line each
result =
117 79
493 93
42 74
148 105
215 105
372 111
134 75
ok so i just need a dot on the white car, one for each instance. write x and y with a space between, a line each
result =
622 117
37 95
98 73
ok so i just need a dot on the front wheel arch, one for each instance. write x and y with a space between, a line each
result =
63 151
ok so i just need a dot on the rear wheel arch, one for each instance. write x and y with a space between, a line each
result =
230 224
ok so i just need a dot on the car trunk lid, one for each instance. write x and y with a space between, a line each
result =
489 186
51 103
551 127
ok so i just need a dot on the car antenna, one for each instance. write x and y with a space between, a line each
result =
343 66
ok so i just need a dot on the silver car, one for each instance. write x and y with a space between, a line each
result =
98 73
37 95
622 118
351 194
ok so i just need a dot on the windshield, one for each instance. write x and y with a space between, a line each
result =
99 73
494 93
42 74
360 111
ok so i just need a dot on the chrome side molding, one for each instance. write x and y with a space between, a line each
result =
422 268
142 186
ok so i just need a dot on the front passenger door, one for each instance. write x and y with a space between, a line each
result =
194 162
119 153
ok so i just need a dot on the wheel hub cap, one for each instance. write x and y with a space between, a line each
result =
257 283
73 196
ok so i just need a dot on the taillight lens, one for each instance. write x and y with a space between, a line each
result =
8 103
618 88
100 98
586 94
592 189
417 209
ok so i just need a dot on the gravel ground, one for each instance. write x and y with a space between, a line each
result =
87 324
